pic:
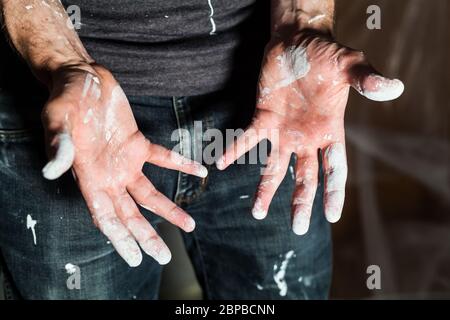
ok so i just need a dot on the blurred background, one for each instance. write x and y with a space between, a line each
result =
397 211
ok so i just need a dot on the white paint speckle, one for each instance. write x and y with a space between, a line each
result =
88 116
31 225
316 18
211 18
244 196
279 276
71 268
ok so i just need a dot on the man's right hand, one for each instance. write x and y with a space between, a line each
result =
90 128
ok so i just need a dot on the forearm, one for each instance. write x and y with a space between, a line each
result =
41 32
291 16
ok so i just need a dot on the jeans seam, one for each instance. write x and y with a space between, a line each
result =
203 266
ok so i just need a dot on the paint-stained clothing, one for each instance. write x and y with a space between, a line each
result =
234 256
173 47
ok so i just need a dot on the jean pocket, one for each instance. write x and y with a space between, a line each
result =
21 148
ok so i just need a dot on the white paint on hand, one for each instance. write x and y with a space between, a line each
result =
385 89
335 169
88 116
300 222
202 172
211 18
31 225
87 85
316 18
29 7
293 64
63 159
258 212
122 241
279 276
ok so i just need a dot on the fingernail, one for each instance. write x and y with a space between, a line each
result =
189 224
259 214
202 172
220 163
164 257
332 214
300 224
129 251
386 90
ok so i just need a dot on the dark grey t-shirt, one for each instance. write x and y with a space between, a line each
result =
174 47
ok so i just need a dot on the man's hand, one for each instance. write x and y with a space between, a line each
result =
303 92
90 127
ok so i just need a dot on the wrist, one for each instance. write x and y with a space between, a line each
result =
52 71
292 17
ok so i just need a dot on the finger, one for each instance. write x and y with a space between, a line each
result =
63 159
335 171
140 228
169 159
145 194
105 218
306 177
244 143
273 175
369 83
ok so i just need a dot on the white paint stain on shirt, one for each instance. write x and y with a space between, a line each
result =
211 18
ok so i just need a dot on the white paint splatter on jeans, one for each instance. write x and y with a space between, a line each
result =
71 268
279 276
30 225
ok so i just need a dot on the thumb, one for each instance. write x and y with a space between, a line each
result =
372 85
63 159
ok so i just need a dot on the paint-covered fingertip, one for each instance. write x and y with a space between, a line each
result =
189 225
220 163
164 257
49 173
386 90
332 215
300 225
134 260
202 172
259 214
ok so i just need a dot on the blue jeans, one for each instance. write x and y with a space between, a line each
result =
234 255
